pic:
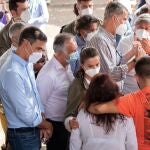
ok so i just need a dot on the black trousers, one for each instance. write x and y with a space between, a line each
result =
60 137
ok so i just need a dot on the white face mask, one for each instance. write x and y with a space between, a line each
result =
25 16
35 56
87 11
91 35
142 34
121 29
92 72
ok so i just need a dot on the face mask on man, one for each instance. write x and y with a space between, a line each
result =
25 16
68 56
35 56
91 35
87 11
121 29
142 34
92 72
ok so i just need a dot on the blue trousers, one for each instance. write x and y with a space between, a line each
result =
24 139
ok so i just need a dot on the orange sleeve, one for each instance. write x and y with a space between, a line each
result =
125 105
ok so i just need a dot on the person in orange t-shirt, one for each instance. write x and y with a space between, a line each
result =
136 105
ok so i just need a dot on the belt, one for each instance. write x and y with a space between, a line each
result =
22 130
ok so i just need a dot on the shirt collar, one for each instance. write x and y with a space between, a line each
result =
108 34
80 41
58 65
19 59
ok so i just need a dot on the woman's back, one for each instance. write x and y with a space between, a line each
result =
90 136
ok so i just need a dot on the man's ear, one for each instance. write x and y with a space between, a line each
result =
26 43
137 77
14 41
114 18
77 7
14 13
75 10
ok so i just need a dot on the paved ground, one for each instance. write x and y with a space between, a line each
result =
61 11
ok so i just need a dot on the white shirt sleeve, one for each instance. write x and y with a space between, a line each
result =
75 140
45 86
131 140
66 123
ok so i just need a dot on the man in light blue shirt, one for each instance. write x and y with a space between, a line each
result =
18 91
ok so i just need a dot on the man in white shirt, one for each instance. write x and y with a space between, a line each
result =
14 34
141 33
53 82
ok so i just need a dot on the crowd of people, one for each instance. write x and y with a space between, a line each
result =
93 94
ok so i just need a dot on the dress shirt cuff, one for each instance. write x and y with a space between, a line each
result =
37 120
66 123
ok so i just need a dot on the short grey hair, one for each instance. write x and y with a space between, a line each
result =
144 18
60 40
18 26
114 8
